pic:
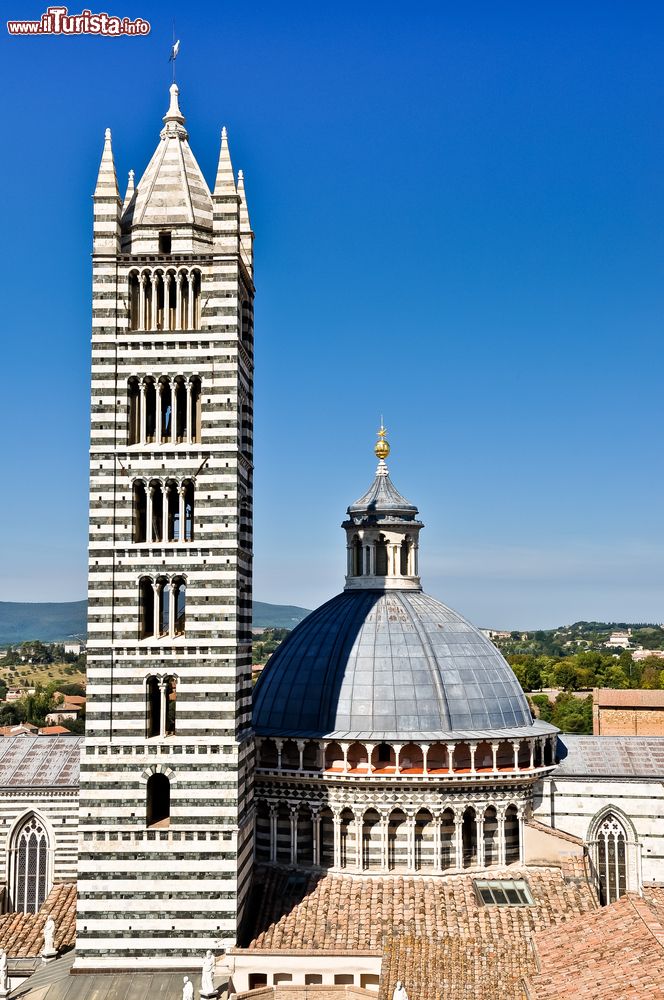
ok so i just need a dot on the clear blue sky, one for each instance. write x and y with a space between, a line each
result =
459 216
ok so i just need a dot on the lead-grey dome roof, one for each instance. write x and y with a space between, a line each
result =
389 665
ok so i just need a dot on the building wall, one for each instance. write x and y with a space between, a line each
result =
571 805
626 721
59 809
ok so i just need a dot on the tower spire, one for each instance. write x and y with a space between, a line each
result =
246 234
129 193
107 181
225 181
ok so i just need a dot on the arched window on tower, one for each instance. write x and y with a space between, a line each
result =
145 608
158 801
195 410
140 512
188 527
134 411
160 706
404 567
381 556
357 556
150 397
246 322
611 859
179 602
29 865
153 707
134 301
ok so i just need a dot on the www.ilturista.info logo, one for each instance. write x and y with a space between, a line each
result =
58 21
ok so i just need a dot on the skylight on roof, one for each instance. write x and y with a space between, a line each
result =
504 892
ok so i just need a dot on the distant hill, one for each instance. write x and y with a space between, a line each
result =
277 615
20 622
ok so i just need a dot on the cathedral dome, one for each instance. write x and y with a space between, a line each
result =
388 665
383 660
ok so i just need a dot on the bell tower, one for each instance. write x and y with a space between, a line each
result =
166 785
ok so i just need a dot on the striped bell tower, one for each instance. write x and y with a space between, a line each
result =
166 787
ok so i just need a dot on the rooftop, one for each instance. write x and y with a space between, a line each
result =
313 912
22 934
40 761
640 698
610 757
615 952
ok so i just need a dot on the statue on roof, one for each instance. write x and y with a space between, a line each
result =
207 976
399 991
187 989
4 978
49 950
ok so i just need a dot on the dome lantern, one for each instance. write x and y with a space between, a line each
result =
382 532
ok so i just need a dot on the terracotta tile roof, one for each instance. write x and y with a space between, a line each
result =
22 934
456 968
300 910
615 952
639 698
52 731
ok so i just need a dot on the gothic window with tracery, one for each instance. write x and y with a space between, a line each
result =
30 864
611 860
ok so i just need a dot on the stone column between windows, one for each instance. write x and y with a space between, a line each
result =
458 839
273 833
450 757
500 817
168 277
171 610
159 389
156 609
473 751
359 846
437 844
532 754
154 319
293 834
515 747
164 513
182 534
411 842
174 412
479 835
384 841
494 754
190 302
315 832
336 827
148 513
189 415
178 301
142 416
141 302
163 688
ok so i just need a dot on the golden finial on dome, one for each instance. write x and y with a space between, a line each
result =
382 448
